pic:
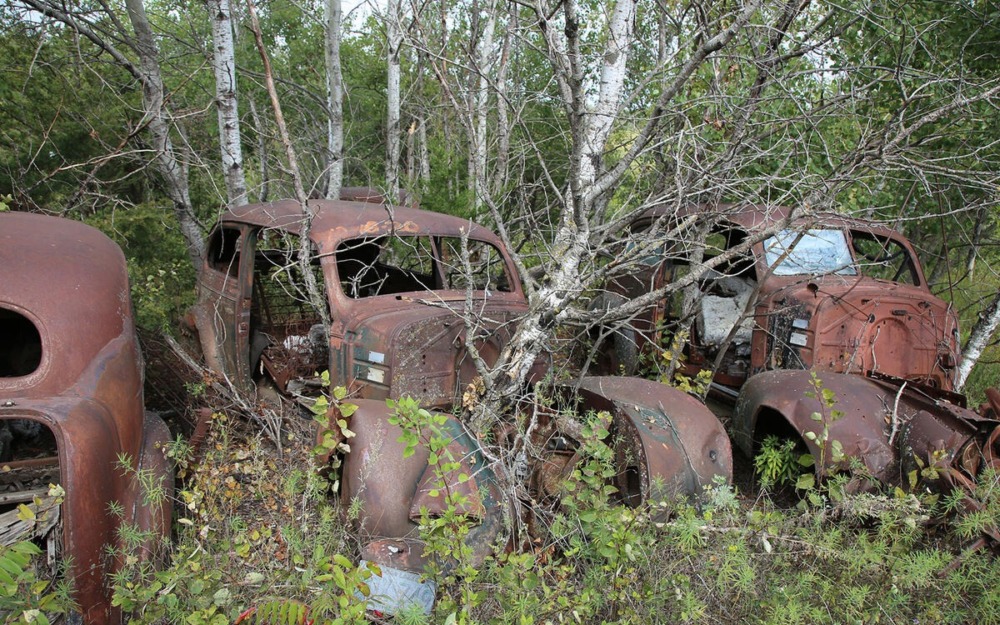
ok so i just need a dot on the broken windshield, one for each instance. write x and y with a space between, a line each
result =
386 265
813 252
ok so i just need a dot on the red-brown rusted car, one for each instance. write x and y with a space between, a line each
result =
71 405
843 298
402 286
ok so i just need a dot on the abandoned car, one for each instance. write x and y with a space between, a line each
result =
840 297
402 286
71 407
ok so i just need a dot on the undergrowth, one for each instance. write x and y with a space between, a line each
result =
260 538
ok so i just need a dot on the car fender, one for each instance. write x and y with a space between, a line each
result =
673 441
390 490
862 430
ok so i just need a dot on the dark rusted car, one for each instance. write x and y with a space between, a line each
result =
394 286
71 405
841 297
402 286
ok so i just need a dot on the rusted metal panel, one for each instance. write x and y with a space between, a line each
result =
394 490
889 426
668 439
336 220
84 395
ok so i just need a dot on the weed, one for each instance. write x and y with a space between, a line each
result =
777 462
24 597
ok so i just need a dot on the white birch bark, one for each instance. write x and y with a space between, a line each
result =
503 109
226 103
479 112
394 41
598 122
425 153
980 337
335 101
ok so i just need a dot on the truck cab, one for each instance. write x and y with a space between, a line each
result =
786 298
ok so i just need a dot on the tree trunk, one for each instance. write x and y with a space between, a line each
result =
317 298
394 41
979 338
335 101
478 111
174 171
224 63
263 193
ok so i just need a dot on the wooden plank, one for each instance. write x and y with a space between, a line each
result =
13 529
23 495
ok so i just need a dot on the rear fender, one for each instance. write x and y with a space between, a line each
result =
666 442
863 430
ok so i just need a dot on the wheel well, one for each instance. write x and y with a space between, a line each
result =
770 422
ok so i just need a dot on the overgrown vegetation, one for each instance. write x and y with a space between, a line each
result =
262 538
259 532
886 110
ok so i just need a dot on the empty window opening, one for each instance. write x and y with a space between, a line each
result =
287 336
20 345
389 265
224 251
883 258
30 470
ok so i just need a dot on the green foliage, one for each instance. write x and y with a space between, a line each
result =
331 413
24 597
260 533
777 462
451 557
161 275
257 533
673 359
831 451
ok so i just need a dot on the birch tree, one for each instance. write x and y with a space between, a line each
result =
157 118
227 105
979 338
334 101
478 107
394 43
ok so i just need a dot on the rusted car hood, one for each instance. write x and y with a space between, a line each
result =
420 350
861 325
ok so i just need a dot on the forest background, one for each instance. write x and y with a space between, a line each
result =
553 123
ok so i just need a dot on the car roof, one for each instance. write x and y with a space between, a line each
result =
71 281
334 221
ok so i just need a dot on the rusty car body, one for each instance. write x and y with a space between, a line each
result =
843 298
393 282
71 404
406 289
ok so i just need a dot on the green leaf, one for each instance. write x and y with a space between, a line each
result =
806 481
25 513
221 597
